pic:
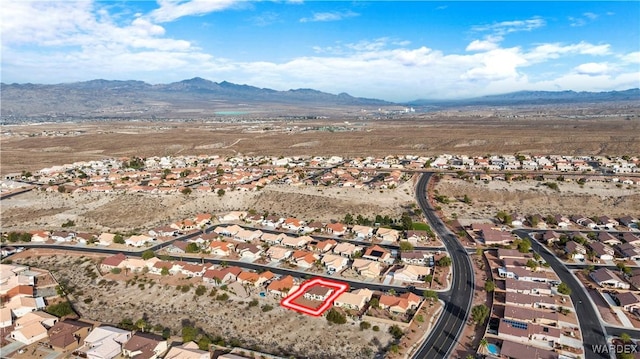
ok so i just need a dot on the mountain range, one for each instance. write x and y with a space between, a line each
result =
198 98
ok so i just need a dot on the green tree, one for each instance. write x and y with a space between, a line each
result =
192 248
148 254
60 310
186 191
406 246
365 325
141 324
563 288
430 294
524 246
189 334
479 313
625 337
396 332
348 218
374 303
201 290
220 192
444 261
26 237
484 344
428 278
204 343
164 271
394 348
489 286
407 223
13 237
68 223
333 316
532 264
126 323
118 239
466 199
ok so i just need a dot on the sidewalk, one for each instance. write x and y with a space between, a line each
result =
434 318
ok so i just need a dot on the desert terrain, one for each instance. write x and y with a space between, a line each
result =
32 147
137 212
157 298
530 197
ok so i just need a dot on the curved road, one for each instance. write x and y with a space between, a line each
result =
444 335
592 331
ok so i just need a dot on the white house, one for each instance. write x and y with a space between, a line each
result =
334 262
105 342
138 240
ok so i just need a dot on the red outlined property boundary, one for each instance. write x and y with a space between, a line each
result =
338 287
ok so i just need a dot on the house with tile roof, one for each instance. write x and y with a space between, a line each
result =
346 249
379 254
144 346
112 262
188 350
219 248
411 273
318 293
334 262
336 229
629 301
67 334
276 253
104 342
388 234
367 268
281 287
32 327
607 279
362 232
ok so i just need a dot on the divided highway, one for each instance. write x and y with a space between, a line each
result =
444 335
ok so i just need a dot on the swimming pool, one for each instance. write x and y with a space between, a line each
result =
493 349
263 294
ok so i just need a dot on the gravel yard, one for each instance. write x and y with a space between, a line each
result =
530 197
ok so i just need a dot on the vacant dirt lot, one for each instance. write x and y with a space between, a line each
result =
279 331
470 132
136 212
531 197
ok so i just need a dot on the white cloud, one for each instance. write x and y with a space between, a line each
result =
489 43
82 41
546 52
329 16
171 10
592 69
586 18
576 21
506 27
631 58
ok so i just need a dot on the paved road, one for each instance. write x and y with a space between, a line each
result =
616 331
444 335
196 258
593 333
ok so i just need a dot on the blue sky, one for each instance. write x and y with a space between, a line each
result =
397 51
